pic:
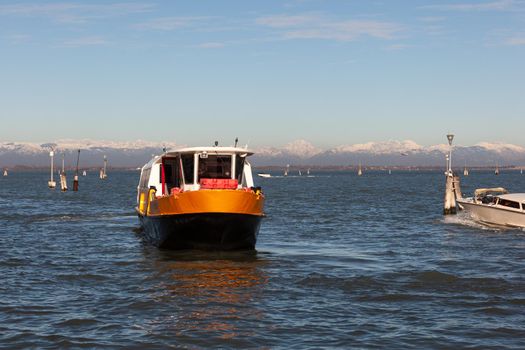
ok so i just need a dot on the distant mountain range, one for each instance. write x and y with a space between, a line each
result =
300 152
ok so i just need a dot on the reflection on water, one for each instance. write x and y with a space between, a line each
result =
214 291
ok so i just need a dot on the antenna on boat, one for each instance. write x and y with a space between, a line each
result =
236 141
75 179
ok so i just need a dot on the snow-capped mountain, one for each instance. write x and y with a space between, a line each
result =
301 149
119 154
299 152
402 153
386 147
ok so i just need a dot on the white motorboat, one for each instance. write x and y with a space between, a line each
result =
264 175
496 206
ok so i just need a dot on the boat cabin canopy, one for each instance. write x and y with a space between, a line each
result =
190 169
480 192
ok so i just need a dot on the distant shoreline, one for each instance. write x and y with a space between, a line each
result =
294 168
303 168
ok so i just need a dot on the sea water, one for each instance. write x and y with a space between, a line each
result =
341 262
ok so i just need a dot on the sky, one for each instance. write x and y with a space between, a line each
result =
268 72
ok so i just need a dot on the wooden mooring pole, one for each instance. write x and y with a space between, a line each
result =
75 179
450 195
450 199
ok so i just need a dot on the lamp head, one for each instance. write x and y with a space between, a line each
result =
450 137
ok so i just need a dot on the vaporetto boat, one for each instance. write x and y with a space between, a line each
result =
496 206
200 198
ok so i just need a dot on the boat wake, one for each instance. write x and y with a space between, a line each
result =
465 219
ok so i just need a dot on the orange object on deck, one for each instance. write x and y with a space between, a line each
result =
219 184
176 190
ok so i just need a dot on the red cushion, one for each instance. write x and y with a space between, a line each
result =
218 184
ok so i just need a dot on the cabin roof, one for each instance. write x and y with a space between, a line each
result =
212 150
192 150
517 197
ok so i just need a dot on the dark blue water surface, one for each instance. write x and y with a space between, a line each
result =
341 262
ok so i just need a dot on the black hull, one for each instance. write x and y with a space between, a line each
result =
206 231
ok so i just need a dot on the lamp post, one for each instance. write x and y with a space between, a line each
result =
51 183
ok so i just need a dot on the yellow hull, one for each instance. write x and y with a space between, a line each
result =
204 219
202 201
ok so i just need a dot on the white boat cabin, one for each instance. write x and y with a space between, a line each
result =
195 168
499 198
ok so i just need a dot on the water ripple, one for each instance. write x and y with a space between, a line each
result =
341 262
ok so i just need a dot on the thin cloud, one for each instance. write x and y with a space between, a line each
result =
431 19
317 27
515 41
70 12
210 46
397 47
170 23
283 21
18 38
498 5
86 41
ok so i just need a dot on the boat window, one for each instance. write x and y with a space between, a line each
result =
510 204
239 167
171 173
188 165
145 178
215 167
